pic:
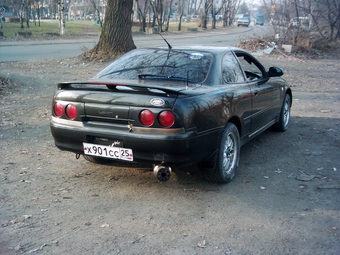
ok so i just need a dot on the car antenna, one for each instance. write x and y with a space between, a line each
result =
169 46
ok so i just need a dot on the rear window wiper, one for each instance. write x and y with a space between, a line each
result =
163 77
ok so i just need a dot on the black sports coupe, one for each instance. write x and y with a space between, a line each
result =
172 107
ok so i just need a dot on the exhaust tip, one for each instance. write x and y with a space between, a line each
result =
162 172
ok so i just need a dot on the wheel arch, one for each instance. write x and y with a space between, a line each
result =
209 163
289 92
236 121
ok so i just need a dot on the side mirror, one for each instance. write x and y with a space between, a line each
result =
275 71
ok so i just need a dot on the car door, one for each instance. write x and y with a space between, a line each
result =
234 80
265 94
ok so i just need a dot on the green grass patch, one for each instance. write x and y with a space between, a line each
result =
11 29
78 27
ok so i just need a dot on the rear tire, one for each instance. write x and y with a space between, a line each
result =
227 158
283 123
97 160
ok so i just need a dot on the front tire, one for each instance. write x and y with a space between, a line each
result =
228 157
283 123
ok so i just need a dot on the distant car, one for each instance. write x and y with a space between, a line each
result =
195 17
243 21
294 22
219 17
89 16
259 19
172 107
302 22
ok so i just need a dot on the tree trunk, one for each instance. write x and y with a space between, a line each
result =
116 35
207 5
158 11
27 17
168 18
61 17
180 22
140 17
22 19
181 12
213 22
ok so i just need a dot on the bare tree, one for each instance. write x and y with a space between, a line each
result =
199 6
142 13
181 12
23 13
61 16
97 11
207 5
327 12
157 6
216 11
305 22
279 13
169 8
116 35
229 8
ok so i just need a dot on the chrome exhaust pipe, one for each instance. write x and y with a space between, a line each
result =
162 172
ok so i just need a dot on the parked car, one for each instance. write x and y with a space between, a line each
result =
259 19
294 22
172 107
243 21
302 22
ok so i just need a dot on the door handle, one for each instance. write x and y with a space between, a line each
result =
255 93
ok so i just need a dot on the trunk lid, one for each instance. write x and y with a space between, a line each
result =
120 100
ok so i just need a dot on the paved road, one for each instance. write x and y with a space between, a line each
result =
41 49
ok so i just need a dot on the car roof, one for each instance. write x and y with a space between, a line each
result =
212 49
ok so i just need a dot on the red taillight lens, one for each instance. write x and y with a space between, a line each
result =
58 109
146 117
166 118
71 111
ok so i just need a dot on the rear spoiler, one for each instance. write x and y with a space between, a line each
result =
125 85
73 84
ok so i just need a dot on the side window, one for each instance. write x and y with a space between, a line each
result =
231 70
251 70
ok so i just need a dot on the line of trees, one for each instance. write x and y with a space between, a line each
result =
323 14
287 17
116 35
318 16
151 13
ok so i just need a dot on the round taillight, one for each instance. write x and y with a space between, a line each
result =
146 117
71 111
58 109
166 118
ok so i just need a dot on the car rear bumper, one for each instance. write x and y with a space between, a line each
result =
185 147
243 24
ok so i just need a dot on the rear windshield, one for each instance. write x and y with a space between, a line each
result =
160 64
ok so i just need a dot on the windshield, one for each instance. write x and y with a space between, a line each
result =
180 65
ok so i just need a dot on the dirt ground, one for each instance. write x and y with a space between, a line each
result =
284 199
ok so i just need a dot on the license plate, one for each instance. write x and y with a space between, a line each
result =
108 151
